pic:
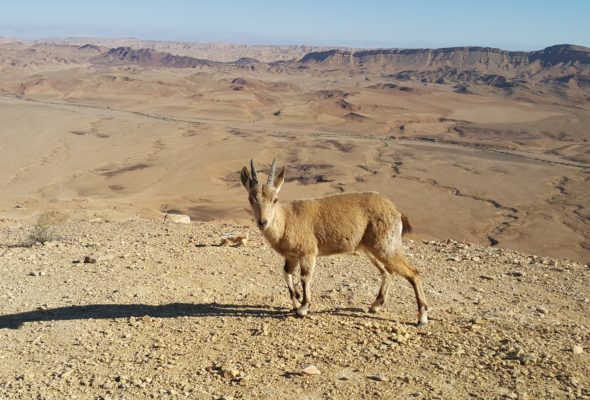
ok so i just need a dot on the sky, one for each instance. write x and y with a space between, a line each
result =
511 25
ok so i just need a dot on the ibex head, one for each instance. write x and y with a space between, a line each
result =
263 198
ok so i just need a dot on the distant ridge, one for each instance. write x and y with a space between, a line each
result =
149 58
563 53
564 66
6 40
89 47
457 57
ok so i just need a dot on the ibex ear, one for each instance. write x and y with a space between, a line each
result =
279 180
246 180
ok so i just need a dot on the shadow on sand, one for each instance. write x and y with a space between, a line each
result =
173 310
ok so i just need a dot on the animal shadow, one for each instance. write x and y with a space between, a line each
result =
108 311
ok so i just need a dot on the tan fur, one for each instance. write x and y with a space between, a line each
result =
406 227
304 229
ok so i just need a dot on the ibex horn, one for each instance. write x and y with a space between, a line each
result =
271 174
253 170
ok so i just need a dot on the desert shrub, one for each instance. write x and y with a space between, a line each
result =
41 234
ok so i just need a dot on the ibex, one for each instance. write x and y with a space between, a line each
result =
304 229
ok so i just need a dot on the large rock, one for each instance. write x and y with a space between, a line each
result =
178 218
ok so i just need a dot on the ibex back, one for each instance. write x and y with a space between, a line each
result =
304 229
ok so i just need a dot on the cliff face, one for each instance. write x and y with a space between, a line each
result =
575 59
479 58
562 54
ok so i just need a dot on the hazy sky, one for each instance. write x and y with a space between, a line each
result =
514 24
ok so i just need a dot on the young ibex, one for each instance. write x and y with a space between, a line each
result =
304 229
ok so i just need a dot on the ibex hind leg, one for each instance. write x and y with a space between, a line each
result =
398 264
384 288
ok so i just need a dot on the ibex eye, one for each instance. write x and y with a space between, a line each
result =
275 200
251 199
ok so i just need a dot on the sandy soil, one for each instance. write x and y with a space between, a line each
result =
165 312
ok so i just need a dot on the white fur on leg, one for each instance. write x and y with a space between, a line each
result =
292 290
422 317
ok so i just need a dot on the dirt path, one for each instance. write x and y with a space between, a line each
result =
167 313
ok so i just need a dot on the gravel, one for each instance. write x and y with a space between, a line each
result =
166 312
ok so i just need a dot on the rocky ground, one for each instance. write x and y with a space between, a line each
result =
153 309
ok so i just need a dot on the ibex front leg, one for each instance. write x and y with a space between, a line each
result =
289 268
307 268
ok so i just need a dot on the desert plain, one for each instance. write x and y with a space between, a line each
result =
92 132
486 151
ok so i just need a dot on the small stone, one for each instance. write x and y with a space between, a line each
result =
66 374
542 310
89 260
232 373
378 378
238 240
401 339
177 218
146 318
311 370
487 277
108 384
105 257
475 259
577 349
516 273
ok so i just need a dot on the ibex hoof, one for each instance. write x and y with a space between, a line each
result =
302 311
374 309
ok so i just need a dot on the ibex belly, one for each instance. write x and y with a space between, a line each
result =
346 244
